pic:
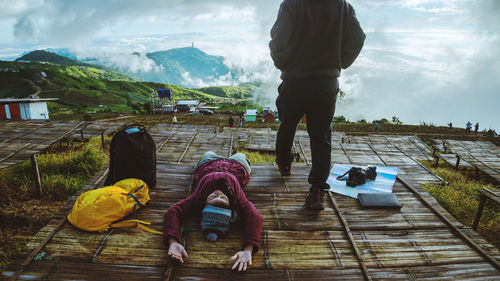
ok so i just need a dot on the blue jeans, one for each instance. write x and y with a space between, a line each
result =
238 157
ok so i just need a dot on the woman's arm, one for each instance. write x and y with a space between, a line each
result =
174 216
243 259
252 221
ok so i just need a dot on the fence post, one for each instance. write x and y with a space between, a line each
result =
102 140
479 212
458 163
36 175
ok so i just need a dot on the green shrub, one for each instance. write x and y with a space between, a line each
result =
60 173
460 197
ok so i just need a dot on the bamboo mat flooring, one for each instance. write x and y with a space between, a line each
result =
21 139
483 155
296 244
403 152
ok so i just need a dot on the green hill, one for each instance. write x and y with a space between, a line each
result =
87 89
233 92
44 56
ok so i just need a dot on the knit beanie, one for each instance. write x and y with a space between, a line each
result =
215 221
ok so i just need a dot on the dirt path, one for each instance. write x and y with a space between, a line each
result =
38 88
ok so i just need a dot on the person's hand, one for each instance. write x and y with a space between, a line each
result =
177 252
242 259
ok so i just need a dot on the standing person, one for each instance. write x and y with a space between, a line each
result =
468 127
174 119
231 121
375 127
476 128
311 42
240 122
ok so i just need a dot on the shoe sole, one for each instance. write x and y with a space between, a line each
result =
315 206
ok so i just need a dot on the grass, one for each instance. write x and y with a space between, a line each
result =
460 197
63 171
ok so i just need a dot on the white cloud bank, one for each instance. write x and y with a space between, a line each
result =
424 60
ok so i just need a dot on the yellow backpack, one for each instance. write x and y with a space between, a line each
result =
99 209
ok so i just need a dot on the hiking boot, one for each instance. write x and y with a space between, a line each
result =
314 199
284 169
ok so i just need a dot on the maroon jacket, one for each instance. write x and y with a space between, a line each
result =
205 179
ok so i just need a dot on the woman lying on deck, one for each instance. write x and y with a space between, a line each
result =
217 196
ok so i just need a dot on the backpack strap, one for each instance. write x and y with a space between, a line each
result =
341 178
137 202
135 223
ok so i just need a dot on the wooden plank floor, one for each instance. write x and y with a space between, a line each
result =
483 155
297 244
21 139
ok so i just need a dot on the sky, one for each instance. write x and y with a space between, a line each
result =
424 60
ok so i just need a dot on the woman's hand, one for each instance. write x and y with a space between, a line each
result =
176 251
242 259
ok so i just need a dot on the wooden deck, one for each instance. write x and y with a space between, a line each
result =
483 155
344 242
21 139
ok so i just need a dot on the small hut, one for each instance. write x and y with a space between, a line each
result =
24 109
251 115
268 116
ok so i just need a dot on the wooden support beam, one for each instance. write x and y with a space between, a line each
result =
14 152
347 229
348 232
479 212
303 153
162 144
36 176
27 133
452 227
102 140
187 147
231 145
458 163
51 234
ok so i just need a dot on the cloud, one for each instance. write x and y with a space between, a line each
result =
440 71
60 21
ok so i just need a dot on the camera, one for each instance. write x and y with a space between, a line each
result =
358 176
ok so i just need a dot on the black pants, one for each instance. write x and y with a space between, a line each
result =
315 98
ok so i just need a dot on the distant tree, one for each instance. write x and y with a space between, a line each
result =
147 107
362 121
129 102
136 107
395 120
340 119
382 121
341 94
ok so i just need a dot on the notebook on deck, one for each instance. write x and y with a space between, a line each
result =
379 200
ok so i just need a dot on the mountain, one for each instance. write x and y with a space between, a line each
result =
179 66
188 67
83 89
44 56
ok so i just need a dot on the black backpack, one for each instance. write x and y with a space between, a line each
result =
132 155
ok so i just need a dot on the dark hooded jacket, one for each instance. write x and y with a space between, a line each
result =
207 179
315 38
